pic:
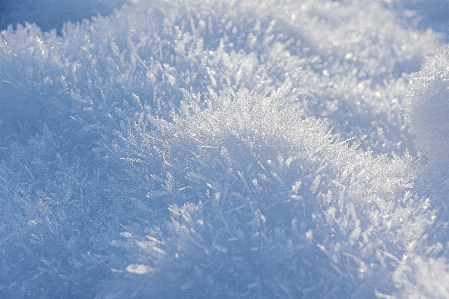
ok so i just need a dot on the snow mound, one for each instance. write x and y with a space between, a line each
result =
260 196
427 108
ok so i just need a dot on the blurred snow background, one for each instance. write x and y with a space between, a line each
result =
223 149
52 14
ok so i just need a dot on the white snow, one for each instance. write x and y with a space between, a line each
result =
428 107
224 149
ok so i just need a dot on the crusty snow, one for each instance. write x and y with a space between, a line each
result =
224 149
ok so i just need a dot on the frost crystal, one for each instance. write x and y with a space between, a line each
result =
223 149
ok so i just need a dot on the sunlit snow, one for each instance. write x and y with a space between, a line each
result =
224 149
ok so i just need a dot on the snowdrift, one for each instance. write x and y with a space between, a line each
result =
223 149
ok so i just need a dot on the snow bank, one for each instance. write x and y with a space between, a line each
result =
426 110
215 149
428 107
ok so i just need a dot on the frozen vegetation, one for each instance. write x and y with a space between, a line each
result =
224 149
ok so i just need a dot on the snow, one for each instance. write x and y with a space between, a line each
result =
222 149
427 107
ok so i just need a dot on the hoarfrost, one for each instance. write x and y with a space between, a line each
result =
215 149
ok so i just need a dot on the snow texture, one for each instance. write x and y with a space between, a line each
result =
428 106
224 149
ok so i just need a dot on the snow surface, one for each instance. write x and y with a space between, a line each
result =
224 149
